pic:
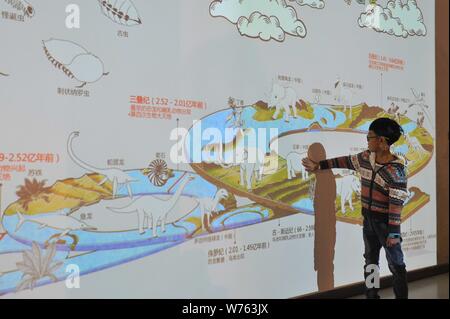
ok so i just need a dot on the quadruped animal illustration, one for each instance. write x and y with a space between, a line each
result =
346 187
210 206
75 61
152 209
116 176
294 164
283 98
250 170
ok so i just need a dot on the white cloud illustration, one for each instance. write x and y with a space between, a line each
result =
381 20
260 18
261 26
401 20
317 4
410 16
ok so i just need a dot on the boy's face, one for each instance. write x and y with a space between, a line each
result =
373 141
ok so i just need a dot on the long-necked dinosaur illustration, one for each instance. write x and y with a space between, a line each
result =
116 176
153 208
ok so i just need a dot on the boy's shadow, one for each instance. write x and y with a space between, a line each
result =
325 221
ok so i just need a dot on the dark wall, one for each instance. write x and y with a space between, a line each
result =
442 140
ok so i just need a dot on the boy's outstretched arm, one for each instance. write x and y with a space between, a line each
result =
352 162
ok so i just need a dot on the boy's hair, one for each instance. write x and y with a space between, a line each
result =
387 128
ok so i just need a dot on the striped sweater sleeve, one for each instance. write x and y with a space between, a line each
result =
352 162
398 193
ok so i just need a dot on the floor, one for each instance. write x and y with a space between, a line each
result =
430 288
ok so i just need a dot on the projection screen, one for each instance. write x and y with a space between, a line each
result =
127 129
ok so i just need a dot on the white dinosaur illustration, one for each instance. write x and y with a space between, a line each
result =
153 209
56 220
294 164
209 206
116 176
345 187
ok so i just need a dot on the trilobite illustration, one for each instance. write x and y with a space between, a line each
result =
120 11
74 60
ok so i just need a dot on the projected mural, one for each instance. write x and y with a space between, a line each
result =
177 151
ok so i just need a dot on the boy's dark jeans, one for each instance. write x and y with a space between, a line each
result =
375 233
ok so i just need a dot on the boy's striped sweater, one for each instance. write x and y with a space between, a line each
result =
383 186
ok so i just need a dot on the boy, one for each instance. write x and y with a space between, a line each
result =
383 191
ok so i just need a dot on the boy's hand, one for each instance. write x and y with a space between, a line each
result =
310 166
